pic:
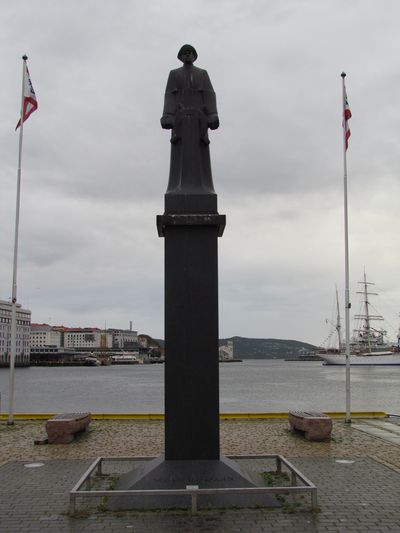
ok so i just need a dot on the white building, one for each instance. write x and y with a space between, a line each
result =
87 338
123 338
22 356
226 351
45 335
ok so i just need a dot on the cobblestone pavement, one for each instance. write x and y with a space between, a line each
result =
360 493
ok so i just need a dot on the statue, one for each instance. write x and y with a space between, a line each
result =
189 110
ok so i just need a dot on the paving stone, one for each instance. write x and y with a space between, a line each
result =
357 496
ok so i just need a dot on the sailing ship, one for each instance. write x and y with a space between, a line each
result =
369 345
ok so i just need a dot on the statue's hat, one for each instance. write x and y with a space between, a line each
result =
186 47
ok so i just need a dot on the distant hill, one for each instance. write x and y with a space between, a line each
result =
245 348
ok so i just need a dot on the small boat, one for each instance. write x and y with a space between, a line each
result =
125 359
369 346
91 360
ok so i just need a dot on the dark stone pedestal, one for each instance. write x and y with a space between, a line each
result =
191 335
178 203
191 227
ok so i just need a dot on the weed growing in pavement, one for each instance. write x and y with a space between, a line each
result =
102 507
273 478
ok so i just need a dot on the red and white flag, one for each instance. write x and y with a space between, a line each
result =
346 117
30 103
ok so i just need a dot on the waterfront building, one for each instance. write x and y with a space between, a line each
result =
124 339
87 338
22 356
45 335
226 351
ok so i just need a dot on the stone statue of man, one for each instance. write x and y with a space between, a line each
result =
189 110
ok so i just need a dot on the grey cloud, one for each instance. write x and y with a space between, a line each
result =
95 163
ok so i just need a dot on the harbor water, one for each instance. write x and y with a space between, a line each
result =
246 387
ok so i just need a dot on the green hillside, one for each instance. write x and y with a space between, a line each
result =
245 348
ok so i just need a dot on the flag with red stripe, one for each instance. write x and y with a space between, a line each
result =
29 104
346 117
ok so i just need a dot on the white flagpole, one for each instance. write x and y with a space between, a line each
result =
13 343
346 255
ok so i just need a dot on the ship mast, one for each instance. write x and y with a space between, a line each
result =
398 337
338 326
367 317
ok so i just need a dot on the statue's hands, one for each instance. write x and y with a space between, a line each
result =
167 122
213 121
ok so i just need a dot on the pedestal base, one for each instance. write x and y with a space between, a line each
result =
160 474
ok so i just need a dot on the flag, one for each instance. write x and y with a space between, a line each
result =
30 103
346 117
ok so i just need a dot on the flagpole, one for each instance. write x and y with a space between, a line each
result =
13 343
346 256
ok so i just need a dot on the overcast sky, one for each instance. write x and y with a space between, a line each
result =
96 161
